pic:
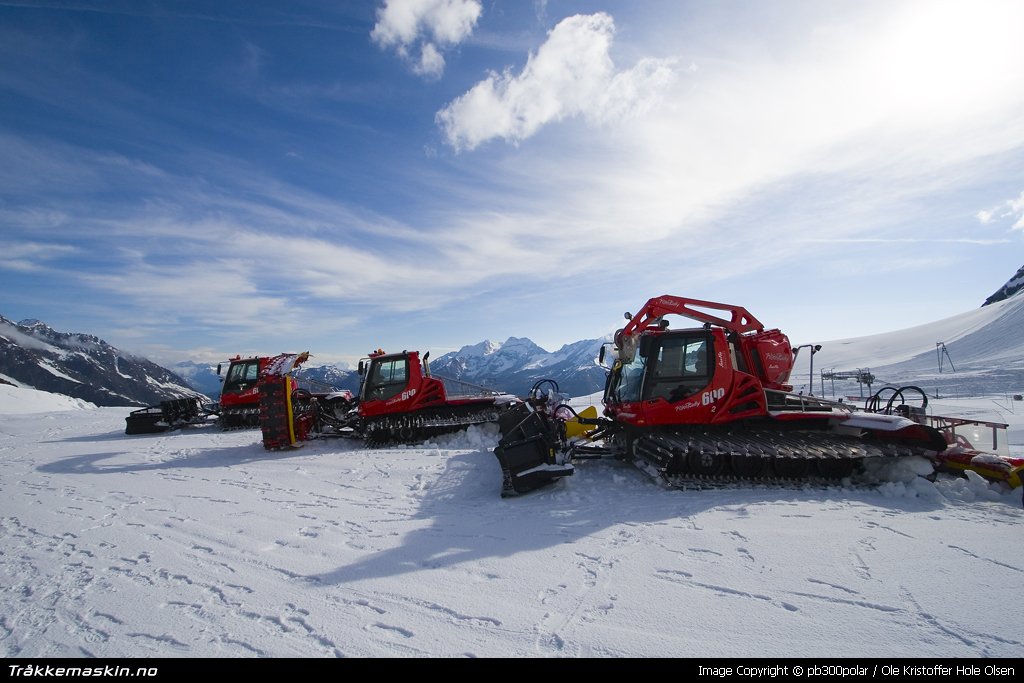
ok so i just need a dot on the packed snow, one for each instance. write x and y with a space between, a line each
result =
15 400
988 336
200 543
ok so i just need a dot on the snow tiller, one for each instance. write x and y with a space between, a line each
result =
237 407
290 413
972 445
170 414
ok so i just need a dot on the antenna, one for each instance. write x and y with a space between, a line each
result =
942 352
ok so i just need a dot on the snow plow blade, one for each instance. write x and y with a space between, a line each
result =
528 451
582 424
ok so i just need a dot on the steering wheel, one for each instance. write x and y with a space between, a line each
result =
899 394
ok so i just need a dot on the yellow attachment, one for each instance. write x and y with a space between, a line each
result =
288 387
992 467
573 428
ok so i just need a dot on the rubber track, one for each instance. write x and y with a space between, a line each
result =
760 455
233 419
690 482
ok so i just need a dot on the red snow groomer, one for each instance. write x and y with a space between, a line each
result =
710 403
399 402
239 396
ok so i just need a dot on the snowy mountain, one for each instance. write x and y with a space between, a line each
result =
511 366
1014 285
326 377
203 377
516 364
82 366
970 354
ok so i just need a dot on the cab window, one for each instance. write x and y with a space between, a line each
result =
387 378
680 367
241 374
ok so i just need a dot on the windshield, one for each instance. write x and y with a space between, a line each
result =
241 376
627 380
386 378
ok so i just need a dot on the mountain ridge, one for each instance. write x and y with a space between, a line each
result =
971 352
82 366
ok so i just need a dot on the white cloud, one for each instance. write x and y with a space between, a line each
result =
1017 210
30 256
1012 209
425 27
1017 205
283 265
431 62
802 122
572 74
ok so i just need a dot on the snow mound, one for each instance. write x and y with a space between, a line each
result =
916 478
23 401
972 486
482 437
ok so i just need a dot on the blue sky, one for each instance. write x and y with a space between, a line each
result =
197 179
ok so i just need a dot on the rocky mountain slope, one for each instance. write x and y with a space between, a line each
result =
82 366
1014 285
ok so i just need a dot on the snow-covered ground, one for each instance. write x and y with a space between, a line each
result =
971 354
202 544
19 401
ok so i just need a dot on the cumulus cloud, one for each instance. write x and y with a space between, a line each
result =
572 74
419 30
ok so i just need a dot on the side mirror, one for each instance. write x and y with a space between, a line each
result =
600 355
362 368
646 344
218 369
